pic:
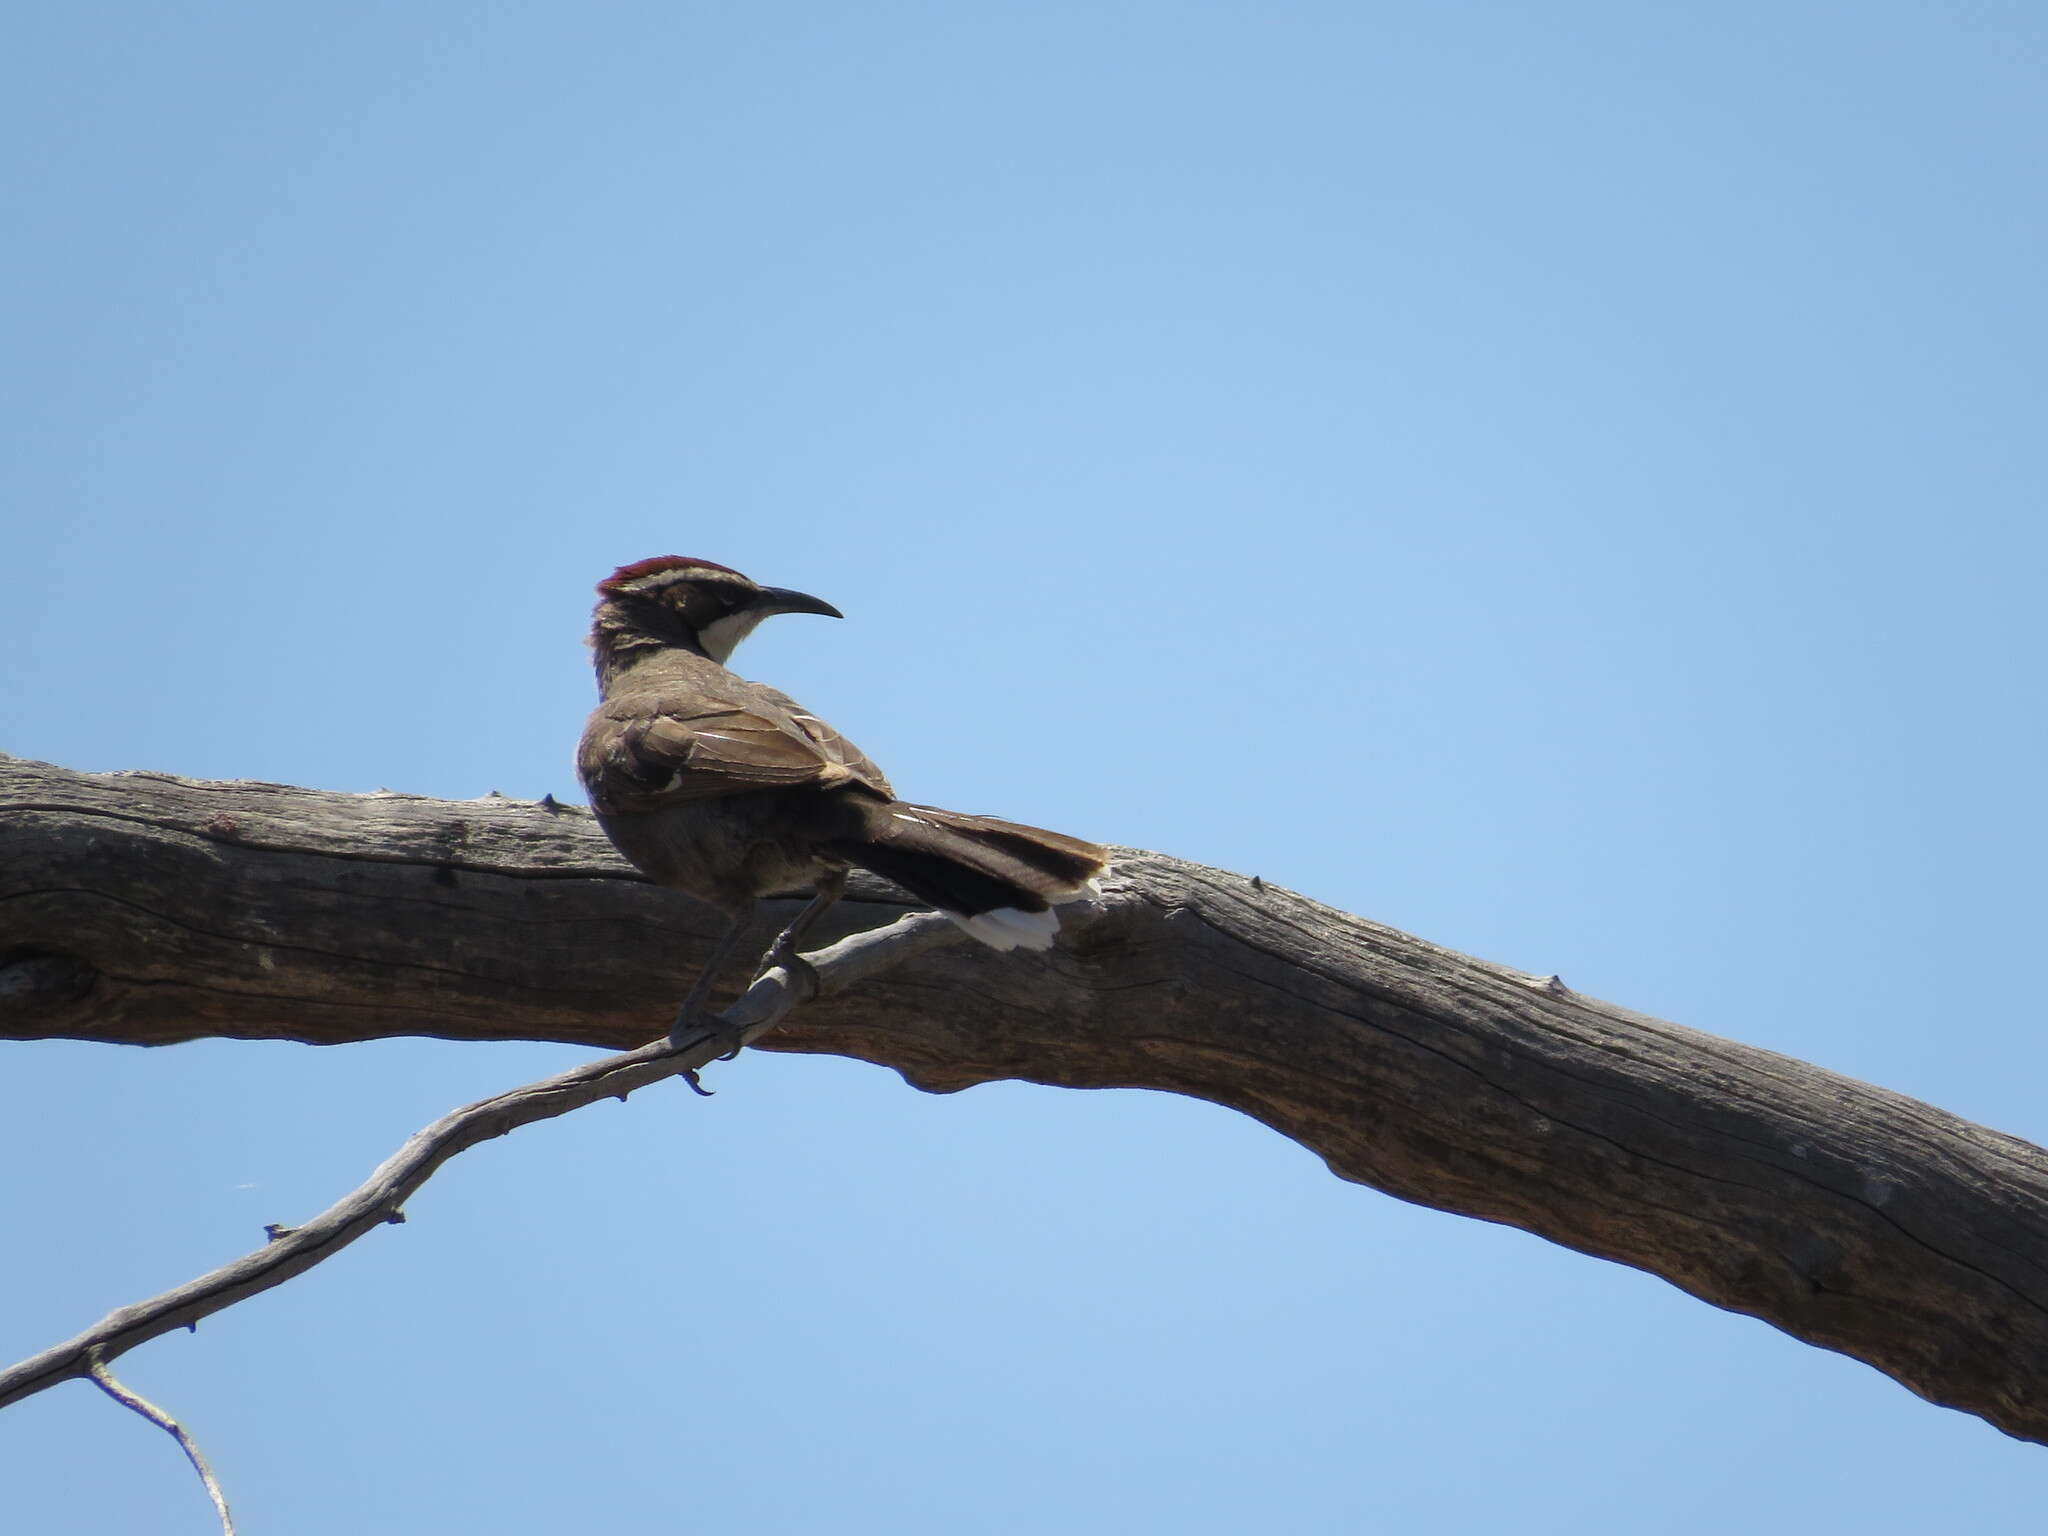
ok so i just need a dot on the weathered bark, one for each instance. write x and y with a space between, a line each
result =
146 909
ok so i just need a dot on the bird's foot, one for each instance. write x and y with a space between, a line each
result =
801 971
691 1025
784 957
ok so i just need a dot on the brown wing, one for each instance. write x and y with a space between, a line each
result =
648 750
833 746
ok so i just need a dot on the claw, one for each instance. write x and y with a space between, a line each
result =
693 1024
800 969
690 1077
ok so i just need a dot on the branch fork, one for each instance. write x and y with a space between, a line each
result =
379 1200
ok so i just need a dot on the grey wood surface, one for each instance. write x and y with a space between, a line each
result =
145 909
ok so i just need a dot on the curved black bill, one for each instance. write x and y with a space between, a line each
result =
782 600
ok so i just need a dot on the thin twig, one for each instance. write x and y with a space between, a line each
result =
380 1198
96 1368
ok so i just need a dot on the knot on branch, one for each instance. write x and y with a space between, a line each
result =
38 978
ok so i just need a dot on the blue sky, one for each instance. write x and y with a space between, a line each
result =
1562 480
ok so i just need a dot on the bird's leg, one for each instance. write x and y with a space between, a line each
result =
783 952
829 887
691 1014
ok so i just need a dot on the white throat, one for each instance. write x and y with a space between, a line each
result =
721 637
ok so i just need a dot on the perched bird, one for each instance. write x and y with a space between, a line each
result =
729 791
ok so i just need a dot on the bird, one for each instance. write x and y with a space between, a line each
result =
729 790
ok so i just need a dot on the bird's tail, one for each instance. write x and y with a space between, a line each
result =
996 879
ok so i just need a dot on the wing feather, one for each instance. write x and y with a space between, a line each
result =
647 751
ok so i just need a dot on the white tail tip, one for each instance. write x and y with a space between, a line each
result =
1011 927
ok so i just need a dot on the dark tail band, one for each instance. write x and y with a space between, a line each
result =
997 879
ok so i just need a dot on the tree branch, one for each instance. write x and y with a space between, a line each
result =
96 1368
146 909
380 1199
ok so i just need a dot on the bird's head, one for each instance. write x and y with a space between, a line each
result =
672 600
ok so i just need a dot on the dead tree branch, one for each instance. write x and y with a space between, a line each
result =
104 1379
381 1198
145 909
